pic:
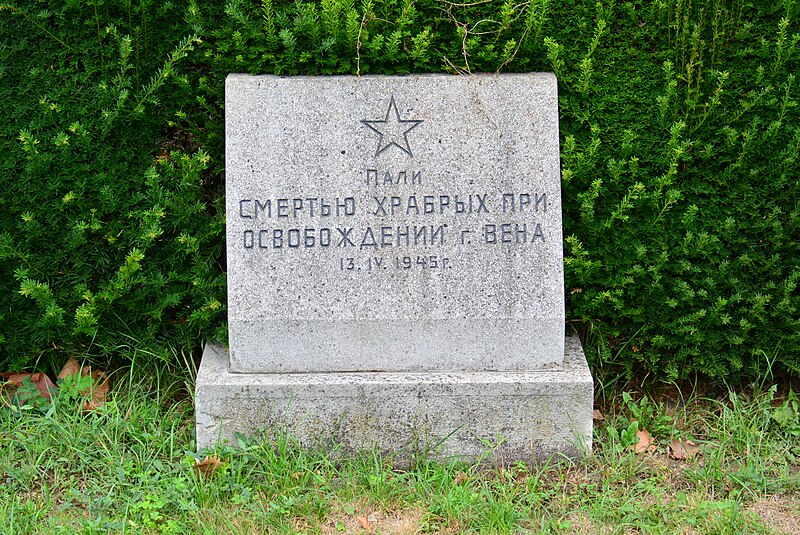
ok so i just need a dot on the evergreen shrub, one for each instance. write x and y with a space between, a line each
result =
681 186
110 236
680 141
679 132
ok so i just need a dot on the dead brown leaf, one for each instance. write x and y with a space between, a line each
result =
70 368
364 521
682 450
14 380
98 391
598 416
10 382
207 466
7 388
645 442
43 384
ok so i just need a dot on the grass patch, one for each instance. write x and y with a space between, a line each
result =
130 467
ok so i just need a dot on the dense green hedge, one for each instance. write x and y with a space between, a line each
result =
110 236
680 141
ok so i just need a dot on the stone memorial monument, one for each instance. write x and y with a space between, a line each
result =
395 268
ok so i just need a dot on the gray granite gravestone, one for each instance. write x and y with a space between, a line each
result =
395 266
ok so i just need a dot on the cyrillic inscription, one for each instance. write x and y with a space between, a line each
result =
284 208
400 234
387 178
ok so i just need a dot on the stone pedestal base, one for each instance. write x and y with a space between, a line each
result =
499 416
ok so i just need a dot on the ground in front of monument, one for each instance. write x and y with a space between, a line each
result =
395 268
134 473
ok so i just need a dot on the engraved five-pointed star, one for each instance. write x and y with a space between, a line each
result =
393 130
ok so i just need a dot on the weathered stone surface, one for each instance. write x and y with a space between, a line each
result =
525 415
399 224
395 269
